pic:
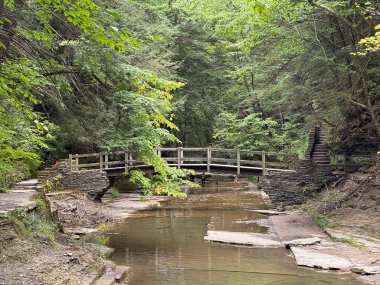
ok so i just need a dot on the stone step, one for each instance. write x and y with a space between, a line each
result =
30 182
24 186
23 191
320 145
319 156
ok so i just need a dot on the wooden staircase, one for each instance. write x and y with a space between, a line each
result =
317 150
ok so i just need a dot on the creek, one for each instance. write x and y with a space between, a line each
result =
167 246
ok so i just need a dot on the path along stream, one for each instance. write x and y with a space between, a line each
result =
167 246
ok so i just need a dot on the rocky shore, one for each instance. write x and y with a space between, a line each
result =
36 258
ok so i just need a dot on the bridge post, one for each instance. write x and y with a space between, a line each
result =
209 159
159 152
76 162
101 160
179 156
126 156
238 161
106 160
70 163
263 161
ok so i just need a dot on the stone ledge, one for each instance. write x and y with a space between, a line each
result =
244 238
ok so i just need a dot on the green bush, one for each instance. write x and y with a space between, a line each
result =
53 184
16 165
27 223
115 192
101 239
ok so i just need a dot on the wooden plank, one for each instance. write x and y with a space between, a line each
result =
217 159
101 161
250 162
126 157
209 159
77 162
113 163
195 149
194 158
89 165
70 163
85 155
170 158
224 150
263 161
106 160
168 148
250 152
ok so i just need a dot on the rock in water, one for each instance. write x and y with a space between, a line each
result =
315 259
243 238
302 242
366 270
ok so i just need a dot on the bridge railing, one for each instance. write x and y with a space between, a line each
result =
208 158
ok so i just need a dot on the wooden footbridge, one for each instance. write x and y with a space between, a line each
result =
209 160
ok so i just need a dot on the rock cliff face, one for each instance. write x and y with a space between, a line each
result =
286 189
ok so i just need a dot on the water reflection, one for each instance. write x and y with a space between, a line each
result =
168 248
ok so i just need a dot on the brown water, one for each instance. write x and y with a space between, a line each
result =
166 246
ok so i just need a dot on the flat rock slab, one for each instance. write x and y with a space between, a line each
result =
315 259
269 212
81 231
366 270
302 242
244 238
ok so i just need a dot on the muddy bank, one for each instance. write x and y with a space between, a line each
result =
35 258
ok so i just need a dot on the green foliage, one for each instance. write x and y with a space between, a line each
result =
53 184
27 223
102 239
86 76
16 165
325 221
115 193
41 204
102 227
250 132
351 241
322 219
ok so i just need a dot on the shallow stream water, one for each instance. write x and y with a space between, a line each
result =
167 246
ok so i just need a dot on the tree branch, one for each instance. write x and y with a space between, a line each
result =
331 12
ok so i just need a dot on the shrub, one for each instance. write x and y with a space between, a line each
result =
27 223
115 192
16 165
53 184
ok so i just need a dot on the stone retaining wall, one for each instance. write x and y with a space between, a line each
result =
94 182
285 189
